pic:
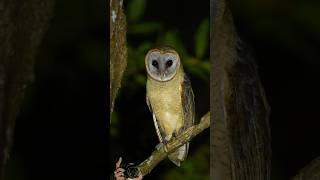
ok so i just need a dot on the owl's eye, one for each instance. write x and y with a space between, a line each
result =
169 63
154 63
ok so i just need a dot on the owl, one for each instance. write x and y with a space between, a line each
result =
169 97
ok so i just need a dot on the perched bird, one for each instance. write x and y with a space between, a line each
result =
169 97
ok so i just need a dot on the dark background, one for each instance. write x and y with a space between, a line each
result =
285 37
61 131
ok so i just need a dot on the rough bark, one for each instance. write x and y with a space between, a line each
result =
162 152
240 136
118 48
22 25
310 172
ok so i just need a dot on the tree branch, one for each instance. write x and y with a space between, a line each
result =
118 48
22 27
240 139
162 152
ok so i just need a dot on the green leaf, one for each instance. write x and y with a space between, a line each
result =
202 38
144 28
136 9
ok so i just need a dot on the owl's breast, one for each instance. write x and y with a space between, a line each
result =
165 99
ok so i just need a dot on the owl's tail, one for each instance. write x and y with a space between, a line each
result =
179 155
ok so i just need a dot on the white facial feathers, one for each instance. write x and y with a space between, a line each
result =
162 65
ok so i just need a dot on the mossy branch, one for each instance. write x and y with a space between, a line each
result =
118 48
162 152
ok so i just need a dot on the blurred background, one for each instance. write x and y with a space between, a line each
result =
184 26
61 131
285 37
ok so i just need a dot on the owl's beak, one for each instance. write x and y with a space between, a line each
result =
162 75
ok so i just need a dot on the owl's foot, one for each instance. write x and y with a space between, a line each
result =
159 146
164 142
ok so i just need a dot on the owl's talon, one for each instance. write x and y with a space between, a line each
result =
159 146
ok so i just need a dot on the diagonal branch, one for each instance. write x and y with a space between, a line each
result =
162 152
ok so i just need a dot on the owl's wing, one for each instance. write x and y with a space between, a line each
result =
159 131
187 102
187 98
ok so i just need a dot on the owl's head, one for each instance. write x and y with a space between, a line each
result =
162 63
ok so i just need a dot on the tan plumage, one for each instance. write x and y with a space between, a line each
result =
169 98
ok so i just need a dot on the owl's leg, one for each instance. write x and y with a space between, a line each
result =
164 142
159 146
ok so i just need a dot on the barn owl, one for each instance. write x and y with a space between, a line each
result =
169 97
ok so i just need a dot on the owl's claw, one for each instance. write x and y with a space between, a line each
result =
159 146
